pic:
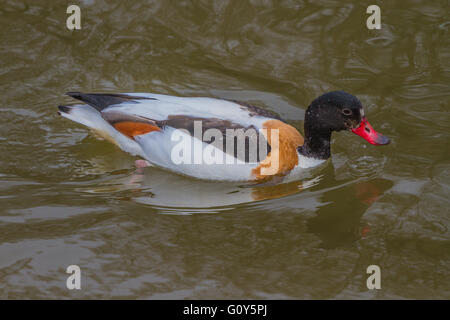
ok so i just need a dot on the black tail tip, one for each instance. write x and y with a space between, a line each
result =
63 109
74 94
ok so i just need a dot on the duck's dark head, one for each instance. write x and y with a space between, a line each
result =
335 111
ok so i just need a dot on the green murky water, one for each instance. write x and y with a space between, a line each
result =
68 198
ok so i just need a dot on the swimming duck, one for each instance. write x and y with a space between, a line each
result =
218 139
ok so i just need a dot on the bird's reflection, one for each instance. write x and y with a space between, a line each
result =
338 205
338 222
167 189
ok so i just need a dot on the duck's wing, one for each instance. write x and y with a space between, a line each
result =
161 107
138 113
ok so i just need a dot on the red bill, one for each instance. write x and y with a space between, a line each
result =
366 131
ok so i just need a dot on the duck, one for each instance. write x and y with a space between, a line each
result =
219 139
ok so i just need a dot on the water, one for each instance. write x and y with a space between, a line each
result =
68 198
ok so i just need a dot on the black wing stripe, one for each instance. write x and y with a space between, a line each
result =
188 123
101 101
257 111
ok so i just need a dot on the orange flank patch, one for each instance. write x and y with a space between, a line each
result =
132 129
283 155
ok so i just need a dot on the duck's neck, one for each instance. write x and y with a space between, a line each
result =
317 142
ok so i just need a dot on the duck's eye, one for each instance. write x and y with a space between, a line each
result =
346 111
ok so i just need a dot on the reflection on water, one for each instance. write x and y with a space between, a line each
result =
157 187
68 198
338 222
